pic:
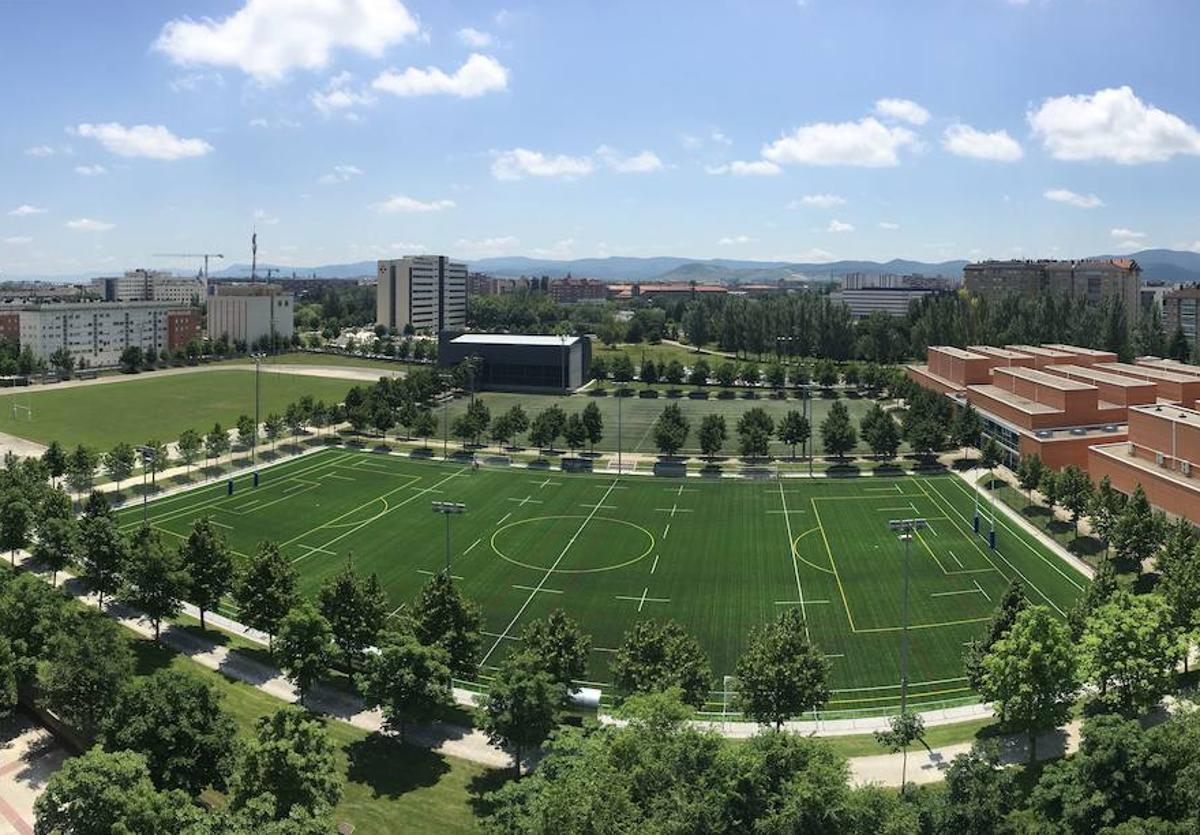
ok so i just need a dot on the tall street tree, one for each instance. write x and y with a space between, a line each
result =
781 673
208 561
265 591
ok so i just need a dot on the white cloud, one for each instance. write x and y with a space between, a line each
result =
866 143
268 38
87 224
402 203
40 151
521 162
191 82
485 247
966 141
18 240
481 74
903 109
643 163
90 170
1126 234
474 38
340 174
743 168
734 240
1111 124
24 210
149 141
818 201
888 225
261 216
719 138
1079 201
836 225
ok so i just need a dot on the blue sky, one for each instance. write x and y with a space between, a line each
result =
353 129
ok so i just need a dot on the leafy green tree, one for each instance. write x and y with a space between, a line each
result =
501 430
289 767
103 551
266 591
781 673
673 372
574 432
273 428
8 677
155 579
966 428
1129 652
1030 673
518 420
755 428
81 469
1098 592
593 425
838 435
87 664
903 730
132 359
794 429
442 617
247 432
176 721
16 518
648 373
57 544
305 647
726 374
656 656
1139 530
55 459
103 792
671 430
521 706
880 432
31 614
1005 615
712 435
1104 510
776 376
355 609
698 375
979 793
216 443
408 680
189 445
547 427
119 462
1076 490
1051 488
1178 568
558 645
425 426
208 561
156 459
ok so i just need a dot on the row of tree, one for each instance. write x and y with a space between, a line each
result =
870 376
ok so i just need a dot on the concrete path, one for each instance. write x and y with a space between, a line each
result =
29 755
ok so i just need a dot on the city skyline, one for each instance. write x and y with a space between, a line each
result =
808 131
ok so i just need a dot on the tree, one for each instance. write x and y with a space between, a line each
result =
105 792
355 609
1029 674
175 720
266 591
305 647
546 427
16 518
155 579
966 428
81 469
903 730
1005 615
102 554
655 656
673 372
273 428
408 680
1129 652
593 425
442 617
781 673
131 359
776 376
1098 592
425 426
55 459
1139 530
990 456
755 428
880 432
648 373
726 374
208 561
670 430
216 443
1104 510
1050 485
87 664
289 766
57 544
119 463
1076 490
518 420
559 647
712 435
698 376
63 361
189 444
794 430
574 432
1179 580
622 368
247 432
156 458
521 706
1030 472
979 792
838 435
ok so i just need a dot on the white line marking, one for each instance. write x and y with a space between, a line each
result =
535 590
428 573
655 564
340 477
602 507
546 576
643 600
666 530
311 548
506 515
797 602
471 547
212 521
795 563
397 610
525 501
953 593
957 560
981 591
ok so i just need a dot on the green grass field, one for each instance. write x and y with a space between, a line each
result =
718 556
153 406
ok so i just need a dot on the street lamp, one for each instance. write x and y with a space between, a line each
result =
448 509
147 453
257 357
907 528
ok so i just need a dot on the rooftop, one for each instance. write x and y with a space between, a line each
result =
1039 351
1043 378
1076 349
1100 375
1176 414
514 339
993 351
1165 375
959 353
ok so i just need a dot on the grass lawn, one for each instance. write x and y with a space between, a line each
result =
389 787
718 556
147 406
661 353
939 736
1085 547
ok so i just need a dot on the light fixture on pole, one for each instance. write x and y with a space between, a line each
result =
147 453
907 528
448 509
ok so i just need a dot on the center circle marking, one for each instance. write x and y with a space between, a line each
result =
649 547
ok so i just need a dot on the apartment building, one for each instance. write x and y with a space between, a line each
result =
250 313
1093 280
422 292
1180 309
570 290
150 285
95 333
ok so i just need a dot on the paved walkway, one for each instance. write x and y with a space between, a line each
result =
29 755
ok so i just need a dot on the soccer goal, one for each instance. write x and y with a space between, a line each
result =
22 411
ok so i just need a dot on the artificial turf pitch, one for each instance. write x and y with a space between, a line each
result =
718 556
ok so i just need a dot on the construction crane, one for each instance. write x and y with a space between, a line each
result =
204 255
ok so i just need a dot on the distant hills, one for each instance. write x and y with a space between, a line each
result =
1172 266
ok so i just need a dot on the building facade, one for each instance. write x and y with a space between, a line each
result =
1179 310
96 333
893 301
150 285
520 362
248 313
570 290
1093 280
422 292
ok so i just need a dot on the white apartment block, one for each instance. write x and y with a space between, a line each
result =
248 312
97 332
428 292
150 285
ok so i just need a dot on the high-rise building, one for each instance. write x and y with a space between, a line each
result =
1181 311
424 292
1093 280
249 312
150 285
95 333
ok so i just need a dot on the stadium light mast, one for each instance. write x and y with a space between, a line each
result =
257 357
906 528
448 509
147 453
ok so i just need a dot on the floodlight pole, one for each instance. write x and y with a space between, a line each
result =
906 528
257 357
619 399
447 509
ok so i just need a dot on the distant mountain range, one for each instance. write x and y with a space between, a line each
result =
1168 265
